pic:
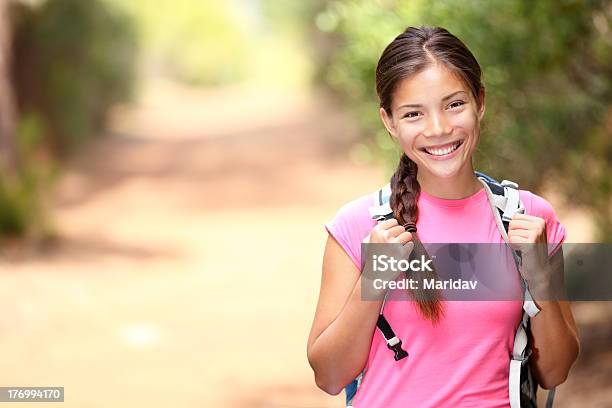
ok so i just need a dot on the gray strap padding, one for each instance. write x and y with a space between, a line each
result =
493 203
516 363
385 194
550 398
513 202
380 211
529 305
381 207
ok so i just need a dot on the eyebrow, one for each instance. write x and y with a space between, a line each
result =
443 99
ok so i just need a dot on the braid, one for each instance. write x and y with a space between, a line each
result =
405 190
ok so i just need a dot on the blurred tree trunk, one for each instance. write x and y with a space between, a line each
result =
7 102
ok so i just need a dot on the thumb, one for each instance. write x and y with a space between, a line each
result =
408 247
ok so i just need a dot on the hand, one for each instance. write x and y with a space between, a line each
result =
527 234
397 244
390 232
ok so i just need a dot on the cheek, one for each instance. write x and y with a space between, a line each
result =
467 121
407 134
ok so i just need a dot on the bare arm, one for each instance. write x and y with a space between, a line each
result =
343 326
555 338
342 330
553 330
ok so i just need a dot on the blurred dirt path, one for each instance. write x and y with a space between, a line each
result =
188 264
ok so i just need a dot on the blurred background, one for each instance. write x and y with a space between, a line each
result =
166 168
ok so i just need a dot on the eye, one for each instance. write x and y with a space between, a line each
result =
456 104
411 115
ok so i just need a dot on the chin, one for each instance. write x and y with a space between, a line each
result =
444 174
441 169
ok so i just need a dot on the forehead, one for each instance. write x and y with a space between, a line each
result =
428 86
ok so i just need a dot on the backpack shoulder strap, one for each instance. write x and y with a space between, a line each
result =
381 209
505 201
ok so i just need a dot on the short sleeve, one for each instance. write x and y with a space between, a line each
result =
351 225
555 231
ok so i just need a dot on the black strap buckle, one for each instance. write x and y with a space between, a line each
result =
398 350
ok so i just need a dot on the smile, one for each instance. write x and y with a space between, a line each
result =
443 150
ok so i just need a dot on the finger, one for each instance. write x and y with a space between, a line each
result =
528 218
517 242
519 233
519 216
395 231
386 224
517 239
521 224
521 240
403 238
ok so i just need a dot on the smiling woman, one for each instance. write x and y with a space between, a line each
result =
432 102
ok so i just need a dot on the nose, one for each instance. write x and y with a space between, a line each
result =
437 126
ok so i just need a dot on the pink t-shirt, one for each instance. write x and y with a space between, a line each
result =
463 361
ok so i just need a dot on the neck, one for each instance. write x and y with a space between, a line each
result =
462 185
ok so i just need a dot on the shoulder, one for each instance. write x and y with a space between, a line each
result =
351 224
354 216
357 208
538 206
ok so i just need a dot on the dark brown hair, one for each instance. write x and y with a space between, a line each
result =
409 53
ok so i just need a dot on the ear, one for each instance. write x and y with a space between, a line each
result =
388 122
481 98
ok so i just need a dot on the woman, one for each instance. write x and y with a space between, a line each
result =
432 102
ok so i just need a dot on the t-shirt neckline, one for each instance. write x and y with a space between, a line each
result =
478 196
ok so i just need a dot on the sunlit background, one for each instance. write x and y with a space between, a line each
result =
166 168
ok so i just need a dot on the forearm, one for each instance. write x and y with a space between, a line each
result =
340 352
555 345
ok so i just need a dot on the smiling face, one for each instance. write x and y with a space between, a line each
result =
436 120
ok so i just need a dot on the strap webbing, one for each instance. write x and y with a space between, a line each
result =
393 342
385 328
519 358
550 398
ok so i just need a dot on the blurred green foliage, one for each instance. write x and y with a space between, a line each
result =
547 67
22 198
73 60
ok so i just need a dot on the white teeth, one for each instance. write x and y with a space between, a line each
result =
442 152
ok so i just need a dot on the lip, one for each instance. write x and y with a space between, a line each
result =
446 156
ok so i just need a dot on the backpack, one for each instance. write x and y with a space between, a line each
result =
504 201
